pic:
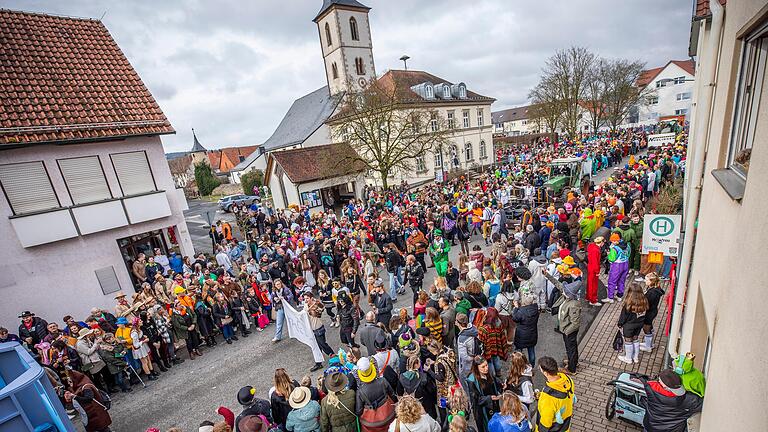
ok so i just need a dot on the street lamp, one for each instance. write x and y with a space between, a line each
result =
404 59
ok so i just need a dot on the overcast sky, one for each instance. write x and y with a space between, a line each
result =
231 68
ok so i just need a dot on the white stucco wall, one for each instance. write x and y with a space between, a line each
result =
724 300
57 279
667 95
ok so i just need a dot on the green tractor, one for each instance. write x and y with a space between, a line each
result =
563 173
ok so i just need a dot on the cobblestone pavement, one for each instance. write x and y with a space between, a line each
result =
598 364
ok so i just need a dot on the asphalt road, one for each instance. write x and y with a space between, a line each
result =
197 222
191 392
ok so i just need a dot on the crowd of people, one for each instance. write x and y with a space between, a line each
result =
461 357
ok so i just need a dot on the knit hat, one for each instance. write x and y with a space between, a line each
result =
672 382
404 340
365 370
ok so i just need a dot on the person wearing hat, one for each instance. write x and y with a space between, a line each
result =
123 308
439 250
594 257
252 406
87 347
618 256
32 329
667 405
306 412
373 391
568 313
337 409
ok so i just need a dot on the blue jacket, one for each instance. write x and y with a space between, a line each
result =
304 419
500 423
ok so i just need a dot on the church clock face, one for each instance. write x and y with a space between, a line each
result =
361 82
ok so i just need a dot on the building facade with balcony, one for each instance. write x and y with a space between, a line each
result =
84 181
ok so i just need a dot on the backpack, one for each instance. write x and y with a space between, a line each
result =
106 401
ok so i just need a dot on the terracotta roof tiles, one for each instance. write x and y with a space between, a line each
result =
307 164
66 79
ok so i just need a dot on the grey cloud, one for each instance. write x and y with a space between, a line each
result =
231 68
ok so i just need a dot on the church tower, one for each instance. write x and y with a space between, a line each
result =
345 38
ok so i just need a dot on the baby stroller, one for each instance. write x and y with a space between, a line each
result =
624 399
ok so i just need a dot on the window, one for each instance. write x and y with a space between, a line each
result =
681 96
679 80
468 152
353 28
359 66
749 91
433 123
455 155
334 70
462 91
480 119
653 100
439 159
28 187
421 165
85 180
446 92
524 122
661 83
133 173
451 120
429 91
328 40
483 150
682 111
465 116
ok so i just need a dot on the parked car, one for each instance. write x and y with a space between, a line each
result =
226 203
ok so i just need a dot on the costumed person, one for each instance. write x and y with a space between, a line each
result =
618 256
439 250
593 270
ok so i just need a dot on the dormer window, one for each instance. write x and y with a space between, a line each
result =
446 92
429 91
462 91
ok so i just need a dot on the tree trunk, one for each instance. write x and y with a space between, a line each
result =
384 183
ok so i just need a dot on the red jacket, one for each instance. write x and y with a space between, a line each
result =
593 258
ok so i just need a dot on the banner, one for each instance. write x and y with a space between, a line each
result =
299 328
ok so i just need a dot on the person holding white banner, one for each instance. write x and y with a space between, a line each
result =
300 328
315 311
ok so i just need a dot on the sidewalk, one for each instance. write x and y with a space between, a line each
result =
598 365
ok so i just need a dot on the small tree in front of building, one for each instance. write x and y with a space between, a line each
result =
250 179
387 129
206 181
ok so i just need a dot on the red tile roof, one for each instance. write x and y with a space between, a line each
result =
214 159
405 79
702 8
230 156
319 162
649 75
66 79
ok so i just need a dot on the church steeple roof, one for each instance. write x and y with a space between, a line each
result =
197 147
327 4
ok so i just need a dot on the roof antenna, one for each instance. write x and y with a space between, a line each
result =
103 15
404 59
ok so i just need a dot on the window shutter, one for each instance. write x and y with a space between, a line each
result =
28 187
133 172
85 179
108 280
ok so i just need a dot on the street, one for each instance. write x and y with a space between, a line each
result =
198 225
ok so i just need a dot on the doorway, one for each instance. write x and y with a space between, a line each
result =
131 247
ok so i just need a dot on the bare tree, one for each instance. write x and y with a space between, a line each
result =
565 75
622 92
387 129
596 91
546 107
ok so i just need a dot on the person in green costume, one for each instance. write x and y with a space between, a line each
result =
693 380
439 250
587 224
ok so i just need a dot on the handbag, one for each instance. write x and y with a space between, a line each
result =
262 321
618 341
379 419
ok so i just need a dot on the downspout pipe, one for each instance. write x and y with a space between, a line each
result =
700 140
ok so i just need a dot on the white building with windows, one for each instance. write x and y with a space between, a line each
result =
514 122
670 92
85 183
347 49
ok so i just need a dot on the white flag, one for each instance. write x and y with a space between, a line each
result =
299 328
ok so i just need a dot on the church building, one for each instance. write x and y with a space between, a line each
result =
302 157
